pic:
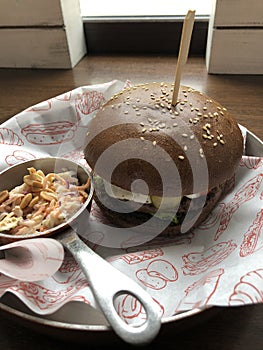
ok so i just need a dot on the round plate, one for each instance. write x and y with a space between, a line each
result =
81 323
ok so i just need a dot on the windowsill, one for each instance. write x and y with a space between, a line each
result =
110 19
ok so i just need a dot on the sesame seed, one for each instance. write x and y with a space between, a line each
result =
176 113
142 138
175 125
205 136
222 142
137 109
197 109
205 116
222 113
181 157
162 125
218 138
185 148
192 137
144 129
149 120
126 112
150 129
184 135
181 109
157 106
204 128
138 113
215 144
216 114
144 107
138 100
199 114
205 108
141 123
154 143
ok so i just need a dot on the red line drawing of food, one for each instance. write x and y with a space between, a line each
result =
9 137
199 262
130 309
77 154
244 194
251 241
64 97
18 156
136 258
49 133
157 274
198 294
42 106
88 102
251 162
44 298
69 271
212 218
249 289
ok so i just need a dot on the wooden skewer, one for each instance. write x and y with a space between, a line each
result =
183 52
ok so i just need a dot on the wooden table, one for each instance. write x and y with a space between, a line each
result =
231 328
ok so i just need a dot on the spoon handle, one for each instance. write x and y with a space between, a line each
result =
106 283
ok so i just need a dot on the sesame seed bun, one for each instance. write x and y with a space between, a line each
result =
198 133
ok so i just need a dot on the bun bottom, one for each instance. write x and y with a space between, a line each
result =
134 219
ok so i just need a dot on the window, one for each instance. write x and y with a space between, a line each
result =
110 8
143 26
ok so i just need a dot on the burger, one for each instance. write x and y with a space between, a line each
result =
160 166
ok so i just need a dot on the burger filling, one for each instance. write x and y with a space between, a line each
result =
150 205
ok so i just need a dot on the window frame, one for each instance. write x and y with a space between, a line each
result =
142 35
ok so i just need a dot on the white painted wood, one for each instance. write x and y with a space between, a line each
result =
34 48
238 13
30 13
235 36
235 51
74 30
41 33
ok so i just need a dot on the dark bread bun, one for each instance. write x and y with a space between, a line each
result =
195 132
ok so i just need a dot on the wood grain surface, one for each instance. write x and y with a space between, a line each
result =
236 328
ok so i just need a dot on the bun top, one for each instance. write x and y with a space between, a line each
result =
182 149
